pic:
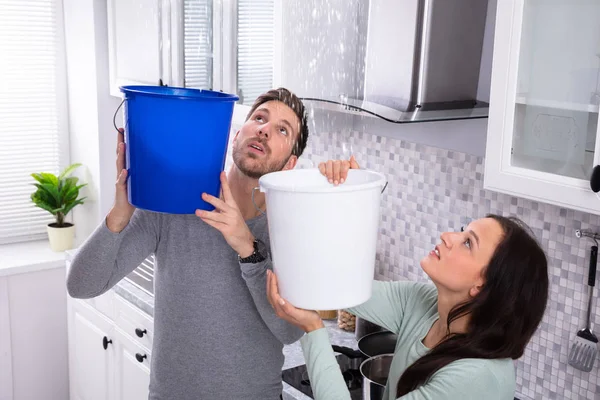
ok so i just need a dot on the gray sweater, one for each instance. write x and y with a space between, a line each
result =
216 336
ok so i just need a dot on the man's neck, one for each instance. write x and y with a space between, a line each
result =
241 189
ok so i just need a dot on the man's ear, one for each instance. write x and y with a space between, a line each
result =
291 163
236 136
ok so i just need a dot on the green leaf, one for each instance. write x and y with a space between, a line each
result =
51 190
38 202
44 195
46 177
69 207
69 170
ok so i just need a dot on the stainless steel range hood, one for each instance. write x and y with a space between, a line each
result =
424 54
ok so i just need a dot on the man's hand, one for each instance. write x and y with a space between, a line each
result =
228 220
306 320
336 171
120 214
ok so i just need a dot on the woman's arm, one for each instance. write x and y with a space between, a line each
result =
388 303
324 372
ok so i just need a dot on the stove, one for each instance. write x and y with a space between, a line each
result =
297 377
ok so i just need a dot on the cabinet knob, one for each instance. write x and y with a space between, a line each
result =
140 357
105 342
140 332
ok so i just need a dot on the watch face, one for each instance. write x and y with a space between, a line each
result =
262 248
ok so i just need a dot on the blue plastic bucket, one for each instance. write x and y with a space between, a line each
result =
176 146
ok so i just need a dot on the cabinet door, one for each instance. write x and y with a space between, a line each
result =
91 369
132 369
137 42
543 125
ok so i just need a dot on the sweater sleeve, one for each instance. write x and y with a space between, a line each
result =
324 372
255 276
107 257
388 302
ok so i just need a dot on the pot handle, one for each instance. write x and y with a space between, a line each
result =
347 351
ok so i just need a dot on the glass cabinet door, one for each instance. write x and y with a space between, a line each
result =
558 92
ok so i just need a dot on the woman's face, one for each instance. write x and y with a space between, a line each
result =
457 264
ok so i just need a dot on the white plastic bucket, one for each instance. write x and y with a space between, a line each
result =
323 237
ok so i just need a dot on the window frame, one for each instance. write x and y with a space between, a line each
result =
224 73
62 116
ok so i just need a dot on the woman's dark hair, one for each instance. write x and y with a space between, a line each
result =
503 316
292 101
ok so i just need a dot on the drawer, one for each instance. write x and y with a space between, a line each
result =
105 304
135 323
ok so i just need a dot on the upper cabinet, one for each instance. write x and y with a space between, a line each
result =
227 45
138 43
543 131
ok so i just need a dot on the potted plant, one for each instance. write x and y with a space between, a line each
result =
58 195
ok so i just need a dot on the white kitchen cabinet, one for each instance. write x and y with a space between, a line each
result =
133 369
33 332
91 353
143 42
108 359
542 141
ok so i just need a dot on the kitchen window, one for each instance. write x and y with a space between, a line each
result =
230 45
33 111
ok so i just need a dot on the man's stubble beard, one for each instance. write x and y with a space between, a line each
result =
259 170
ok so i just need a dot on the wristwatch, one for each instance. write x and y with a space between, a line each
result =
258 255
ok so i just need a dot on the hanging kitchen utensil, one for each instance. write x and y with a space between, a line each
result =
584 348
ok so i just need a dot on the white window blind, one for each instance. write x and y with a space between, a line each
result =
255 48
32 107
198 43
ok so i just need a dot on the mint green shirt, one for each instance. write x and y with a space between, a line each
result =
408 309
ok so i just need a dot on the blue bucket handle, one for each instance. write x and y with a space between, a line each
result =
115 115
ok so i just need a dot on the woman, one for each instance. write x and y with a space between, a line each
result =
456 338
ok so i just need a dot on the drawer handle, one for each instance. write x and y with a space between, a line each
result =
140 357
105 342
140 332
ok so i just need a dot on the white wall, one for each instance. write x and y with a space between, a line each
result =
92 137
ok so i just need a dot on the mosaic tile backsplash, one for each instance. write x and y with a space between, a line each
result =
433 190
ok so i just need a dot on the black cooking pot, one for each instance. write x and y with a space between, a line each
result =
378 343
364 327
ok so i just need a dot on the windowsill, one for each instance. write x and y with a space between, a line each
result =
18 258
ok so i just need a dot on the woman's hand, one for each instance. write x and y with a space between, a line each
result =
336 171
306 320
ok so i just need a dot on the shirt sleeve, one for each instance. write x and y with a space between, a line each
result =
324 372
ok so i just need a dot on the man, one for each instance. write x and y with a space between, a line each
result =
216 337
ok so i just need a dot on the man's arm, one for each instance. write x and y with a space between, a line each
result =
107 257
255 276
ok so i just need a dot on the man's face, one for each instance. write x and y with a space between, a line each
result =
264 143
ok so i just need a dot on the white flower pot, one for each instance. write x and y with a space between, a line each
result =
61 239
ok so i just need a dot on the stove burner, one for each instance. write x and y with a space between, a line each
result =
297 377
